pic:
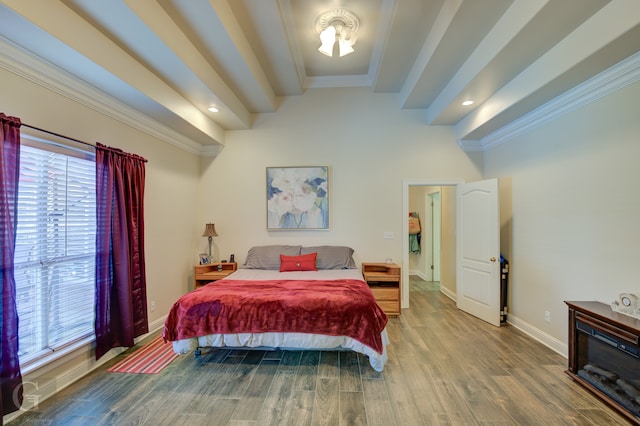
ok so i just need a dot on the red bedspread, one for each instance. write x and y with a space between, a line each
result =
337 308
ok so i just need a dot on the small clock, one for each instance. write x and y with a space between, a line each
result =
626 300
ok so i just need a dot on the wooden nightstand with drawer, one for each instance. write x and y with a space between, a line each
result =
204 274
384 279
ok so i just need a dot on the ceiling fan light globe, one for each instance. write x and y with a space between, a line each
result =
326 50
328 39
345 47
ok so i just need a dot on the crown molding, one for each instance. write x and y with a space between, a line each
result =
609 81
338 81
210 151
21 62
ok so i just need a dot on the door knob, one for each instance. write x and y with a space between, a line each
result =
493 259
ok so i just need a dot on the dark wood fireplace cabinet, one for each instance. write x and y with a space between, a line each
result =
604 355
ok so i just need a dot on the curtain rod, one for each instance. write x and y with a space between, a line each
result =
59 135
83 142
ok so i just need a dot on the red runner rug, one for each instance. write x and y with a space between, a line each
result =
152 358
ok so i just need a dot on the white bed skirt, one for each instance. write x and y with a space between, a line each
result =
286 341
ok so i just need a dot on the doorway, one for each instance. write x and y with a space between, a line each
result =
447 253
470 274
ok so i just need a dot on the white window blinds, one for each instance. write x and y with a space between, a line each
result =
55 250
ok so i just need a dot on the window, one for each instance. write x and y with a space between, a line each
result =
55 249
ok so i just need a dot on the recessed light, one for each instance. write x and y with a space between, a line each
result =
213 109
467 102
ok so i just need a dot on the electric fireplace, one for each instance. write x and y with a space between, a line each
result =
604 355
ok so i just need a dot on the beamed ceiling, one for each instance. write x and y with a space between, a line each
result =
167 61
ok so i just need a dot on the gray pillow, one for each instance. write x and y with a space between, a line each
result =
268 257
332 257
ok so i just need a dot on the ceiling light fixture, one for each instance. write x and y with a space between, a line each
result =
213 109
337 25
467 103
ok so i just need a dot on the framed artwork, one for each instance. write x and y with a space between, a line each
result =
297 198
204 259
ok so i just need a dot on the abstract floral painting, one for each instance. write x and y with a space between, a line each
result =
297 197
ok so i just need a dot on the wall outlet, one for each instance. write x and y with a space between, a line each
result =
152 306
547 316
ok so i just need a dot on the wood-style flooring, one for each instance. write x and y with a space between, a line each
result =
445 367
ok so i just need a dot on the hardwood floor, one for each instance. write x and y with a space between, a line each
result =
445 367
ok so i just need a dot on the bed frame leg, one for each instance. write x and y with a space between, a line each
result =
197 352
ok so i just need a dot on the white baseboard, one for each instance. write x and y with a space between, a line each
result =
450 294
419 274
42 383
549 341
531 331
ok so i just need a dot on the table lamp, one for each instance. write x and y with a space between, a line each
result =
210 232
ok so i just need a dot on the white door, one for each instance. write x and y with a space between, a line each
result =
478 250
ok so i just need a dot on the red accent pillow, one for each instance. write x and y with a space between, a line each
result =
304 262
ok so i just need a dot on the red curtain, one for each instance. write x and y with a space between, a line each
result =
10 375
121 295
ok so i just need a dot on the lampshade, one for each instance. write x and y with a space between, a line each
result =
344 47
328 39
337 25
210 230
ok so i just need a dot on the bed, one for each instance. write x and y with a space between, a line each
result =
284 297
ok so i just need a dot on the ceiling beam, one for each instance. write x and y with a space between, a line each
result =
24 63
233 113
260 84
63 23
447 107
592 48
427 54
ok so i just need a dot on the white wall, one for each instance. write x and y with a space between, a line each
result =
576 210
172 177
370 146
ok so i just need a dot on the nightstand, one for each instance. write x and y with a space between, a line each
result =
384 281
204 274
